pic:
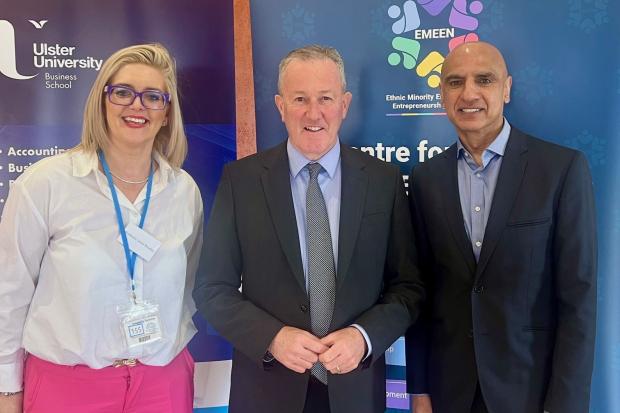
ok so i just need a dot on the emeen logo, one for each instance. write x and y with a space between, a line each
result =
7 52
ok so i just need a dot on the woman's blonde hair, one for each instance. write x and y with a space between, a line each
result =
170 141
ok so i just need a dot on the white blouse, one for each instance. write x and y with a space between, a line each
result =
63 271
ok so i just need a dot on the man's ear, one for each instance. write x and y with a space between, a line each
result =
507 87
346 102
279 101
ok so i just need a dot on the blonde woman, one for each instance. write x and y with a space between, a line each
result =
98 249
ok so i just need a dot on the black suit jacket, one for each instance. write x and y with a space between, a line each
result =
521 321
252 242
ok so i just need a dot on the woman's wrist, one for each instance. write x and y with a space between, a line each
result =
10 393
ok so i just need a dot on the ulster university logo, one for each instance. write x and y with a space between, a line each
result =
8 66
60 63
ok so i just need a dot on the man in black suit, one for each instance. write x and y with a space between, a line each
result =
505 231
318 236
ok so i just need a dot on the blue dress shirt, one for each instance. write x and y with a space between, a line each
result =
477 185
330 183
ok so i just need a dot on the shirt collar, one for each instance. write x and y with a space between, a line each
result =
86 162
497 147
297 161
165 170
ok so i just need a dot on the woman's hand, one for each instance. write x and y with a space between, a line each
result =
11 404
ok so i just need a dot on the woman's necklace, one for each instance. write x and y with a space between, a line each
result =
127 181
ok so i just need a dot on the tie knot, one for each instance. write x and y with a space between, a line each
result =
314 168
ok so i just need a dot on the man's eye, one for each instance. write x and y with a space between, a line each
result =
298 99
326 98
455 83
484 81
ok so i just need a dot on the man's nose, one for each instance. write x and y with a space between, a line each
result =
470 90
314 110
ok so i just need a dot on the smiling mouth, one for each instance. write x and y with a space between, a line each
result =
470 110
313 128
135 121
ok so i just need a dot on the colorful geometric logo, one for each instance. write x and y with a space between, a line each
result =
407 45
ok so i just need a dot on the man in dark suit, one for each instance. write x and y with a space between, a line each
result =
318 237
505 231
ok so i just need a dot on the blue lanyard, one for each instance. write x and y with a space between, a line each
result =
130 257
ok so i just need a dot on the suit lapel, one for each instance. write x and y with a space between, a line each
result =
277 186
452 201
508 183
352 200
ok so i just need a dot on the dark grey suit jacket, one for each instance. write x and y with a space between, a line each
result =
521 321
252 242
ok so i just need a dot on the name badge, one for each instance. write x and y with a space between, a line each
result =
140 323
141 242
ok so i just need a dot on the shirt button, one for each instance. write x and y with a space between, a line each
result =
478 244
467 154
478 289
303 308
477 209
478 175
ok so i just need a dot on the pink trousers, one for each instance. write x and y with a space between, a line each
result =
53 388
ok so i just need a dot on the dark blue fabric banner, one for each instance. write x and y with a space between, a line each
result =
565 61
564 57
50 53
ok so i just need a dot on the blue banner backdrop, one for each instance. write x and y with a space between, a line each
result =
563 56
565 60
50 53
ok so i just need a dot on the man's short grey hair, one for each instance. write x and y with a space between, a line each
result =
312 52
